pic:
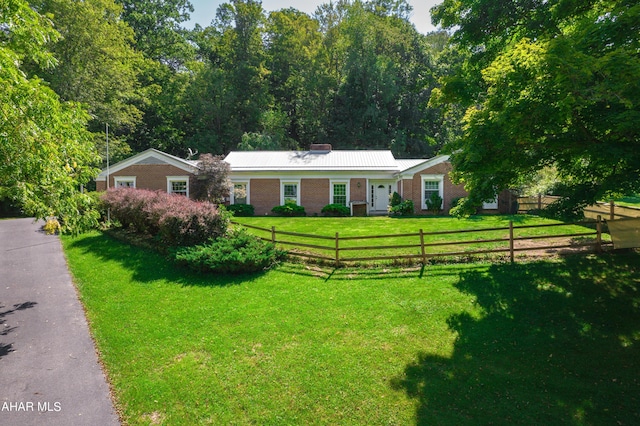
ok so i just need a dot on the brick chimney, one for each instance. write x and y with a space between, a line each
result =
325 147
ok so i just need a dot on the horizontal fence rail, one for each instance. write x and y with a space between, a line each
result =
425 245
610 210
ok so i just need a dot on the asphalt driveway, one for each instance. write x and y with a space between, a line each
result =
49 370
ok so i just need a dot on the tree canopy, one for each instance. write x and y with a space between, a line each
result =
547 84
46 150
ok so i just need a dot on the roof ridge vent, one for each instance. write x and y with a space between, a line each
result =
322 147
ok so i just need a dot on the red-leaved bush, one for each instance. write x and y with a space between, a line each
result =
175 219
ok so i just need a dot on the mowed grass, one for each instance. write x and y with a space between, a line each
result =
555 342
432 227
629 201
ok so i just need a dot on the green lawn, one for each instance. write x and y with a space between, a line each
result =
354 227
630 201
530 343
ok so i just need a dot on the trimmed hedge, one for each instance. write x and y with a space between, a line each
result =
241 210
175 219
289 209
238 252
337 210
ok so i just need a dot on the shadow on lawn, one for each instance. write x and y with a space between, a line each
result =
148 265
559 343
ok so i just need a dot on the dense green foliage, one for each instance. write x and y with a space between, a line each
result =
525 86
434 203
46 152
403 208
336 210
553 342
289 209
236 252
241 210
553 83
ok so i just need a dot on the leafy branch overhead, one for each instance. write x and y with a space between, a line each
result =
550 84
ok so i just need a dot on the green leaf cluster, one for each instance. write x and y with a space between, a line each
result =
238 252
290 209
46 152
549 85
337 210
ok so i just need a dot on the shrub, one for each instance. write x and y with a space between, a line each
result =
175 219
127 207
395 199
404 208
434 203
237 252
241 210
337 210
289 209
51 226
190 223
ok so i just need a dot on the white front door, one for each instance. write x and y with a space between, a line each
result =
381 197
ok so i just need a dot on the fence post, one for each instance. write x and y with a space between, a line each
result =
599 235
612 210
511 253
424 256
337 250
539 201
273 234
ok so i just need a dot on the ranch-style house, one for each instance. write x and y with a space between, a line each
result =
360 179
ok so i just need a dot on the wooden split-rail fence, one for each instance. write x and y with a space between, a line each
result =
420 246
609 210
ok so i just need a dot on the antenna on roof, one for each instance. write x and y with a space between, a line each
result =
191 153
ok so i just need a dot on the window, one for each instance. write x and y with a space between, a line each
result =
124 181
431 187
290 192
432 184
339 194
492 205
239 193
178 185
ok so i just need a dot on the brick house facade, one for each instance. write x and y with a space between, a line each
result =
151 169
361 180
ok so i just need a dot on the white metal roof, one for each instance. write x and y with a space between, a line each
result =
369 160
405 164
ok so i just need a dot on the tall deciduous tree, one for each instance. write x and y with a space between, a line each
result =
298 75
551 83
46 153
96 66
230 92
158 31
384 81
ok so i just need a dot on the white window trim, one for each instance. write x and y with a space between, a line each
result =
347 190
117 179
289 182
171 179
232 199
440 179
